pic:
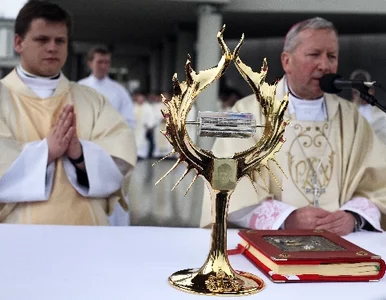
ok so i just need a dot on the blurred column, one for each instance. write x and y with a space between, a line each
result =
185 45
155 71
208 55
167 69
6 42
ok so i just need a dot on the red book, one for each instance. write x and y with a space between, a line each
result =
309 255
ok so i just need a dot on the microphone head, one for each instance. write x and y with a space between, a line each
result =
327 83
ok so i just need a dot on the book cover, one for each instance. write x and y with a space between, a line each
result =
309 255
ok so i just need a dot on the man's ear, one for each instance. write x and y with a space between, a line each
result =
285 60
17 44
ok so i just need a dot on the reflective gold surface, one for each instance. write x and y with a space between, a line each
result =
193 281
216 276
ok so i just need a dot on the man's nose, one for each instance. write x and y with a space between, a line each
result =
324 63
52 46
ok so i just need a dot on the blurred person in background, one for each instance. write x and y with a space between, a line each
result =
99 62
145 120
375 116
228 98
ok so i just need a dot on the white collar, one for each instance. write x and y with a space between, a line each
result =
44 87
306 110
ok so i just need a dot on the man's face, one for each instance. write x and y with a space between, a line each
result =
43 50
100 65
139 98
315 55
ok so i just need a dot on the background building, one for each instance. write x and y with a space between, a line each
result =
8 57
150 40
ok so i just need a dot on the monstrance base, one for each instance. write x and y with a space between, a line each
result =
239 283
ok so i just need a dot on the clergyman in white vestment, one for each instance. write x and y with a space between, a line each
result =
66 150
99 62
375 116
145 121
334 164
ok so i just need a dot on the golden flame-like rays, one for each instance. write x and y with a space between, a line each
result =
178 107
191 184
273 176
184 96
163 158
271 141
238 46
252 182
262 178
170 170
182 177
280 168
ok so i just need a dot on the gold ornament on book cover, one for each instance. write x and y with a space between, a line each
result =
216 276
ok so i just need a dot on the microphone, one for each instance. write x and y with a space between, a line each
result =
334 83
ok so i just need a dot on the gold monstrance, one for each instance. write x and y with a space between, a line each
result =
216 276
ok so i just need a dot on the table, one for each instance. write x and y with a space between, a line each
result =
113 263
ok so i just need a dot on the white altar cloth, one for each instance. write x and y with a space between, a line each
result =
129 263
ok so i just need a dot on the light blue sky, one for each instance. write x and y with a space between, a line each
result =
10 8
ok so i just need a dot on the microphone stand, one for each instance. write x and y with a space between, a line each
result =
364 94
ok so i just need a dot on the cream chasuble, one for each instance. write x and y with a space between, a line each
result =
309 152
25 118
376 118
348 160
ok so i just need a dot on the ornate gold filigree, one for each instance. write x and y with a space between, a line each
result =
221 283
301 169
284 255
362 253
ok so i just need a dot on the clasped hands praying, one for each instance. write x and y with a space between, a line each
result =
339 222
62 138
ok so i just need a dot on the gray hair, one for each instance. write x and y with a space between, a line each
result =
291 40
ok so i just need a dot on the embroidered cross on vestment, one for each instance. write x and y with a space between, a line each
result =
316 190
